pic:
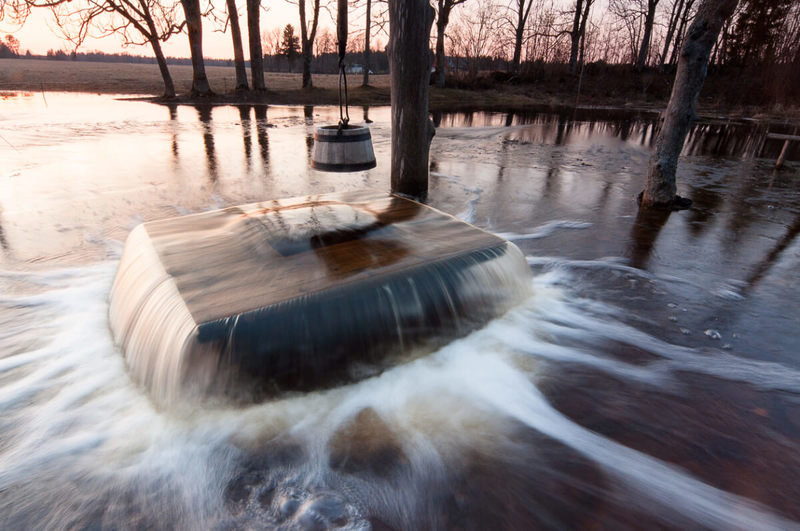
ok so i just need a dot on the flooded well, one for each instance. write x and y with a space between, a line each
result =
651 377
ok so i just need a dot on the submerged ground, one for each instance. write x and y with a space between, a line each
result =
652 378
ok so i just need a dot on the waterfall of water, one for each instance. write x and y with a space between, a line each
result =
301 294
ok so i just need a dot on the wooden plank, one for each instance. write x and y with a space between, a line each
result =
777 136
235 260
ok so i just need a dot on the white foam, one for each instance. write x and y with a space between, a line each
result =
543 231
71 411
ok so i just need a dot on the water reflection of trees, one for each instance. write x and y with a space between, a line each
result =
706 200
204 115
720 139
3 240
244 118
173 119
262 125
774 254
644 234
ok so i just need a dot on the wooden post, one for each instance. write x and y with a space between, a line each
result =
788 139
410 59
782 156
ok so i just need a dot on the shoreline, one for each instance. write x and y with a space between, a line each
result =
142 82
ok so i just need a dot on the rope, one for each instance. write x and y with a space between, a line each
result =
344 111
341 33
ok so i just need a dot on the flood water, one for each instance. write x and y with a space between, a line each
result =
651 379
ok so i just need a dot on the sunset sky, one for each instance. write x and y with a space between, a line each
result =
40 34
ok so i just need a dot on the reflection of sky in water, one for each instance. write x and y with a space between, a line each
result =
614 337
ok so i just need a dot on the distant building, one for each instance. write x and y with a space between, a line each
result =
356 69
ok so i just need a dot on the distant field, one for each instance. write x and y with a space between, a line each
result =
610 87
127 78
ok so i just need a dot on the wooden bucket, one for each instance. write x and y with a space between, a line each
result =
344 149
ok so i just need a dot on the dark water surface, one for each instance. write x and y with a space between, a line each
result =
652 379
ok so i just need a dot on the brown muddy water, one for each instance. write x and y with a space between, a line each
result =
652 379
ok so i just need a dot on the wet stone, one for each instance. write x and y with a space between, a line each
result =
265 497
321 513
288 507
366 445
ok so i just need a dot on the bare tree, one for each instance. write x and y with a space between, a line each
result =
442 19
473 35
355 44
672 25
368 23
660 187
629 13
254 40
410 23
517 18
271 41
581 16
325 43
649 19
138 22
541 41
686 18
238 52
194 27
308 33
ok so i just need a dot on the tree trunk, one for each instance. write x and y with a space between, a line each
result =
671 27
660 187
307 36
681 33
155 43
307 57
410 23
523 10
365 82
582 30
254 40
441 25
518 36
169 86
575 38
194 25
644 49
238 53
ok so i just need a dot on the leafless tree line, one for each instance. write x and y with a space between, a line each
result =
643 33
468 35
